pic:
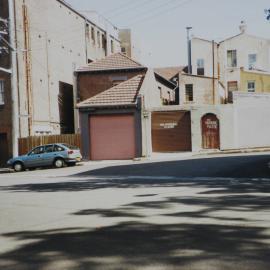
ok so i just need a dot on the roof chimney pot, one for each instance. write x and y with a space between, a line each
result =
243 27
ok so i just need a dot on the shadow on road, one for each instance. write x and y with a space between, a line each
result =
137 245
239 240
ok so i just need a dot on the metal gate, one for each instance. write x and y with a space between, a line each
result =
210 132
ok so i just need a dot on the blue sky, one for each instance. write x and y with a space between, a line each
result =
158 26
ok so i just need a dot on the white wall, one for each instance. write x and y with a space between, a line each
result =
202 49
244 124
58 43
252 115
202 90
244 44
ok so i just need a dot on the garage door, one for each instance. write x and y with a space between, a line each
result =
112 137
171 131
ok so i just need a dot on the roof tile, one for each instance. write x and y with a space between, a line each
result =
112 62
124 93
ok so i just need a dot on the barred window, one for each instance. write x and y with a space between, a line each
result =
189 92
2 96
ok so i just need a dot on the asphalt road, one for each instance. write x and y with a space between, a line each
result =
203 213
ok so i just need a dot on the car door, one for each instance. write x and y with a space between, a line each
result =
35 157
49 155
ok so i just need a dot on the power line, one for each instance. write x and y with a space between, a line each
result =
124 6
140 20
138 5
168 2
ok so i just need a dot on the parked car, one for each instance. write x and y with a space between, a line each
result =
57 155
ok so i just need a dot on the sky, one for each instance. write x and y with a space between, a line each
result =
159 26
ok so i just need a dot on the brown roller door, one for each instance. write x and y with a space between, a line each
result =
112 137
171 131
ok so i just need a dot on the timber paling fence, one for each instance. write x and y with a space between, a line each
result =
28 143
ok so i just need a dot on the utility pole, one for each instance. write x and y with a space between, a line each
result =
14 79
189 50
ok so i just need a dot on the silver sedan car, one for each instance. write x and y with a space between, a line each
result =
57 155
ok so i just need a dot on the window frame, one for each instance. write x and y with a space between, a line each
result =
251 64
251 90
189 93
2 92
232 63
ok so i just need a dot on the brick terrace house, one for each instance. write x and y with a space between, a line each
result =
115 95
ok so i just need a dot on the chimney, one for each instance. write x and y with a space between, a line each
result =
189 50
243 27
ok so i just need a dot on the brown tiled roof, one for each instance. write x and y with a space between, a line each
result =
168 72
112 62
124 93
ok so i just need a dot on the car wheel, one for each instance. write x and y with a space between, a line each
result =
59 163
18 167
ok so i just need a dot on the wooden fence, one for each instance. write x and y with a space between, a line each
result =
26 144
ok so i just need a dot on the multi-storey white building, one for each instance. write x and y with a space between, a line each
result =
52 39
229 57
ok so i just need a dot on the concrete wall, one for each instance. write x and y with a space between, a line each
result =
202 90
225 114
202 49
55 48
244 124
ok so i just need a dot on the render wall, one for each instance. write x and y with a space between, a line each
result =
244 124
57 44
203 93
244 44
262 81
203 49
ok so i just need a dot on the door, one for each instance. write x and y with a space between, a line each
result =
171 131
210 132
3 149
35 157
112 137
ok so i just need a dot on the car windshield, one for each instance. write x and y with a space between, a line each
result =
70 146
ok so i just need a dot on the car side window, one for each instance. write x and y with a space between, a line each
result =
38 151
58 148
49 148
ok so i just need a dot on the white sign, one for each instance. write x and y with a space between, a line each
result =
169 125
211 124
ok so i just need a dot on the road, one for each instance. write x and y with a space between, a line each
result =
191 214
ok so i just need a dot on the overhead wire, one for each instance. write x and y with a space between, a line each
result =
143 19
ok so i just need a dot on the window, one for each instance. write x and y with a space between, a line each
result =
189 92
2 96
251 86
252 59
200 67
104 42
112 46
232 58
232 86
98 38
37 151
58 148
123 50
160 91
49 148
93 35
